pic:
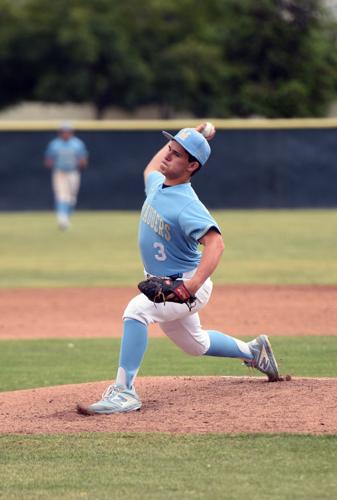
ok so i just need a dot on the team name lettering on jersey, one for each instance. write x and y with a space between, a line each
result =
153 219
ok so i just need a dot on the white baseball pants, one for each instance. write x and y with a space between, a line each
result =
66 186
182 326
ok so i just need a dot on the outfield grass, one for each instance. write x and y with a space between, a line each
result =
161 467
280 246
42 363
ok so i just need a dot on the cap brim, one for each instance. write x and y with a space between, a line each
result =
168 136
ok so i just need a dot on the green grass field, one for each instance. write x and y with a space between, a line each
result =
161 467
42 363
281 247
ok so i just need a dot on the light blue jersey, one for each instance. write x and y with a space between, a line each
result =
172 222
66 154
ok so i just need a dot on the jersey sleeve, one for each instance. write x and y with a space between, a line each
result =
82 150
153 180
50 150
195 220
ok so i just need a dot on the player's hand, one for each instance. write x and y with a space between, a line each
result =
49 163
207 129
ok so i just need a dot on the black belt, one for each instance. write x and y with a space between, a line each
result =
173 277
176 276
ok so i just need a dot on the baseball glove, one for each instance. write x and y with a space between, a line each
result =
166 290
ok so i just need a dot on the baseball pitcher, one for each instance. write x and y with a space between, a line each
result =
177 284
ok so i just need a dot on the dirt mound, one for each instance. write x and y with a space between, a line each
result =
181 405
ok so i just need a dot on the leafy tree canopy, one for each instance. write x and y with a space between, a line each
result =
221 58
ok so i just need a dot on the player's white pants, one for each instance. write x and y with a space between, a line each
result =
66 186
182 326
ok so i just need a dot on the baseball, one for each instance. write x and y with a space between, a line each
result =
208 130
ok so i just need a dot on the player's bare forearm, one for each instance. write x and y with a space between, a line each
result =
83 163
48 163
213 249
154 165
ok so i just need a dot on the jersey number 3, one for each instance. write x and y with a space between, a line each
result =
160 255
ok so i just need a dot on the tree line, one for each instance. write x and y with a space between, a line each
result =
219 58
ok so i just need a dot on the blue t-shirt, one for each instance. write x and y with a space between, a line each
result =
172 222
66 154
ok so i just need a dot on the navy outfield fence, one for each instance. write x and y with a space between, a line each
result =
254 164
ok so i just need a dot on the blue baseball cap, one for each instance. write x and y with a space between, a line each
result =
194 143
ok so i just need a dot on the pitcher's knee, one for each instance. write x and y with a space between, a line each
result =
193 342
194 348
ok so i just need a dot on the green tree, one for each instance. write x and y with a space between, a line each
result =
221 58
16 78
83 55
185 68
236 58
281 57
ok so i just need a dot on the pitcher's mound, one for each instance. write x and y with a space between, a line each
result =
181 405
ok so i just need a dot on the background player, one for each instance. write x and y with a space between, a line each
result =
173 222
66 155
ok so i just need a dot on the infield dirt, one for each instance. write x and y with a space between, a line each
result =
236 309
175 404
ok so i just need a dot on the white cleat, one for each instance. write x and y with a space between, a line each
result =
116 399
63 223
264 359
